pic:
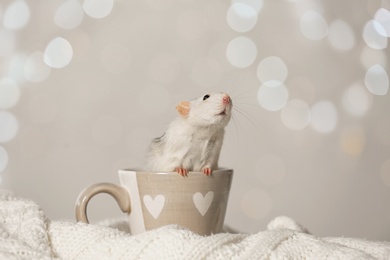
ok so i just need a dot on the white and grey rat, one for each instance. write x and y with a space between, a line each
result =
193 141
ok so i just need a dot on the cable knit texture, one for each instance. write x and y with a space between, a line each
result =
25 233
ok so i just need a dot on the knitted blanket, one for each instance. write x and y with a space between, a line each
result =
25 233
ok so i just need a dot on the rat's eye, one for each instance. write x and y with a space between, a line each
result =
206 97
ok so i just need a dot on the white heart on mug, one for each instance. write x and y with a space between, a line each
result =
154 206
203 204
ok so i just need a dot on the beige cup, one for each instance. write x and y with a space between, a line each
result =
155 199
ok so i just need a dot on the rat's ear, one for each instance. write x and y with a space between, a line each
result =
183 108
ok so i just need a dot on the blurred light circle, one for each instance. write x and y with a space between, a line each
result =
341 36
353 141
17 15
98 8
35 69
272 98
115 58
372 36
256 204
69 15
7 42
377 80
272 69
42 109
9 93
382 16
154 100
164 68
313 26
9 126
241 52
356 100
385 172
255 4
270 169
15 67
324 117
107 131
296 114
3 159
207 72
241 17
58 53
370 57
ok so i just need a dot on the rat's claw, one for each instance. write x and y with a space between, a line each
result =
207 171
183 172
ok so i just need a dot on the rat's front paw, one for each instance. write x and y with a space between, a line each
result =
207 171
183 172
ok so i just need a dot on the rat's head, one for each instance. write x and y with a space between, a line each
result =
210 109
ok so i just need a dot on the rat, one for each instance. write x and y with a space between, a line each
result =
192 141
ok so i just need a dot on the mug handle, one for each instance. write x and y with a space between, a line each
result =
118 193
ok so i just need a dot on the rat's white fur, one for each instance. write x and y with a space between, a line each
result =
192 142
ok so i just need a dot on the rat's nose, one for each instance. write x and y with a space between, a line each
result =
226 99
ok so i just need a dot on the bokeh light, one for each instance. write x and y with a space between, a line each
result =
373 35
154 100
69 15
164 68
58 53
241 52
272 71
35 69
324 117
9 93
9 126
115 58
341 36
241 17
207 72
382 16
296 114
256 204
98 8
385 172
107 130
15 67
377 80
17 15
255 4
313 25
356 100
270 169
272 98
3 159
352 140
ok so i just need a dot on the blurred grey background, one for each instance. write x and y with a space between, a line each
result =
85 85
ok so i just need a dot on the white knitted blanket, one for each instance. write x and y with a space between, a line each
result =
25 233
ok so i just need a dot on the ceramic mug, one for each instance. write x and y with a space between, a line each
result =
154 199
